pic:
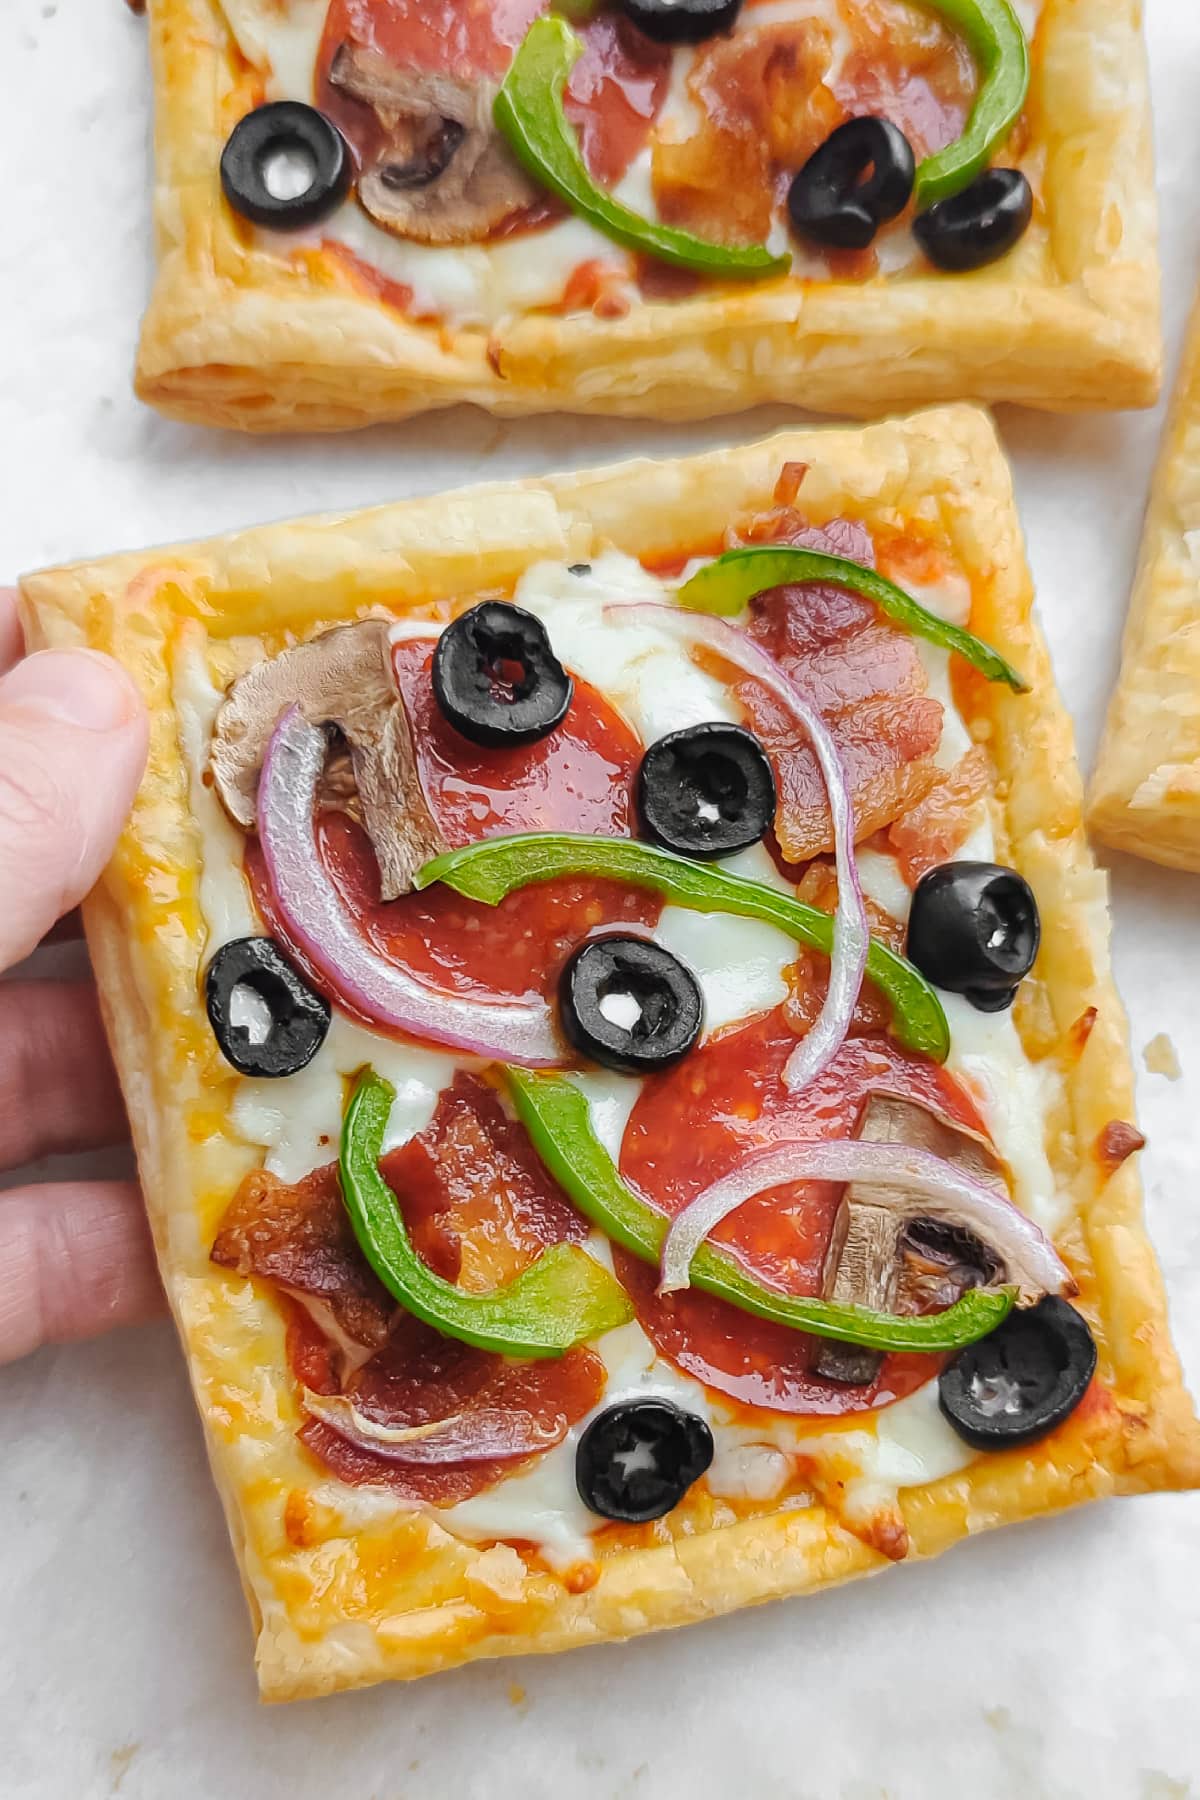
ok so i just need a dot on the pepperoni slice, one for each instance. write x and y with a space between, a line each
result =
613 97
580 779
696 1124
865 677
909 68
421 1377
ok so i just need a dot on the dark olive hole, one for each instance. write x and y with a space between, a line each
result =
636 1003
865 174
720 787
289 169
255 1002
509 677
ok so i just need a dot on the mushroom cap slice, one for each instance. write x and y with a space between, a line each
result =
445 175
862 1263
343 678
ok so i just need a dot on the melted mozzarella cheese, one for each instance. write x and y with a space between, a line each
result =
649 676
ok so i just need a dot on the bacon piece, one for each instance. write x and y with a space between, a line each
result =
1116 1142
864 676
938 824
763 108
299 1236
476 1196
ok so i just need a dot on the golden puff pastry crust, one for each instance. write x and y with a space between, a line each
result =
340 1595
237 336
1145 793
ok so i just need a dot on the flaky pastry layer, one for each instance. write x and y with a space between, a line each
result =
236 336
1145 794
341 1597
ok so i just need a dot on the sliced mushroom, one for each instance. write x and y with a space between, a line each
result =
343 678
864 1259
444 175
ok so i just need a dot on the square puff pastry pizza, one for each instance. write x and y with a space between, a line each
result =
309 1381
1146 789
353 320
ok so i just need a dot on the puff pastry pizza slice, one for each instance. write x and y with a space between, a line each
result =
368 208
616 1149
1145 793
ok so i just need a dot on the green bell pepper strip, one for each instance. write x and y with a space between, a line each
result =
562 1299
492 869
529 113
726 584
996 40
555 1114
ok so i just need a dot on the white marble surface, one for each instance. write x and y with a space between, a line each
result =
1059 1660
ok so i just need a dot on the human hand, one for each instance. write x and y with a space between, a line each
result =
75 1256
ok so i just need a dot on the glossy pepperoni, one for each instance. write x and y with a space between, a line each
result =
580 778
868 681
910 68
613 97
696 1124
421 1377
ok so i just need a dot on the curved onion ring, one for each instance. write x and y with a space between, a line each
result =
945 1196
320 925
851 931
489 1435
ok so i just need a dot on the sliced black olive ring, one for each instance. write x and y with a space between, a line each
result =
274 148
681 21
974 930
266 1020
1017 1384
629 1004
496 678
859 178
707 791
978 225
637 1459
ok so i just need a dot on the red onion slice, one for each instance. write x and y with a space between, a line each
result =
488 1435
851 931
320 925
944 1195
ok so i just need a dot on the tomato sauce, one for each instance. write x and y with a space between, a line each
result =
698 1123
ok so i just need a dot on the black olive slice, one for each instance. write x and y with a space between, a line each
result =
979 225
286 166
629 1004
1017 1384
974 930
682 21
707 791
637 1459
861 176
267 1021
496 678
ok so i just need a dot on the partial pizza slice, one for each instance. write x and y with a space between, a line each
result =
614 1005
368 208
1145 794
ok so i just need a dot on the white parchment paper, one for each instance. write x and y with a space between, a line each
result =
1061 1659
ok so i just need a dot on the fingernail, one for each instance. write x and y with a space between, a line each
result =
76 687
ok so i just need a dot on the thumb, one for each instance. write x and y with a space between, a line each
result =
73 735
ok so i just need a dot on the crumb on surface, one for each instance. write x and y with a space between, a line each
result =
1160 1058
